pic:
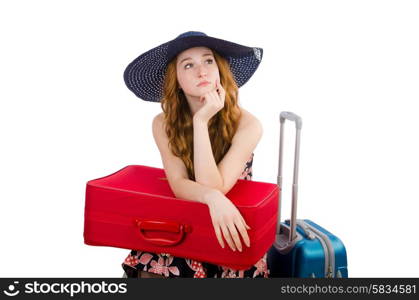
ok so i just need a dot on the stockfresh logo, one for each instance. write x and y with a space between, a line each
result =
71 289
12 289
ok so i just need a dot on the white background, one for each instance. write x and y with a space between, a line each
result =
350 69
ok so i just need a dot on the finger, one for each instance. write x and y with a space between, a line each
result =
235 235
217 97
227 237
213 94
218 86
223 96
221 91
219 237
244 222
241 227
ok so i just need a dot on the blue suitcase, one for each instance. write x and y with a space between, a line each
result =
302 248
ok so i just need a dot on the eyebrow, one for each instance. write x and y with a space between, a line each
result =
207 54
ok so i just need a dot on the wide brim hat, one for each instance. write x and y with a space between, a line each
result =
144 76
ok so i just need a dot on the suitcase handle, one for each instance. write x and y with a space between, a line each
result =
164 226
286 115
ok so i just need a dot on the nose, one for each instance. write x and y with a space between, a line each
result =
202 71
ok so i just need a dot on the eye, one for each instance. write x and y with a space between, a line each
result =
210 60
186 66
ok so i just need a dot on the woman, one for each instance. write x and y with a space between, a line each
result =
205 140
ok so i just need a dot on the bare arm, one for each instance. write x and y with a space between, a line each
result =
175 169
226 218
206 170
224 176
191 190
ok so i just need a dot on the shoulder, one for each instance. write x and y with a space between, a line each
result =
250 129
174 167
158 128
158 121
158 118
248 122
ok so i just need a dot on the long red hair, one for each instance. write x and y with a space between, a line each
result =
178 117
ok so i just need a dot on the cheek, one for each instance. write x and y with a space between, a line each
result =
184 81
179 77
215 72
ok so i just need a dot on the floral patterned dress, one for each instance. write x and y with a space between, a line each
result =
171 266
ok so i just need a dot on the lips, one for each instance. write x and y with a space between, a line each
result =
203 83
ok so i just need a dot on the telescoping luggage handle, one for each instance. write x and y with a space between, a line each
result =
285 115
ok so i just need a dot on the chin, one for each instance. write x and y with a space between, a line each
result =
203 91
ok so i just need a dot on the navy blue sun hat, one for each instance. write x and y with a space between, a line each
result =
144 76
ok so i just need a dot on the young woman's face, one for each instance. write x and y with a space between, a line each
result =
196 71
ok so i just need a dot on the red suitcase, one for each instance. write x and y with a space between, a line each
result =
135 208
